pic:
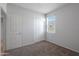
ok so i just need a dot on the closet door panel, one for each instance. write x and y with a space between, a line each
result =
15 32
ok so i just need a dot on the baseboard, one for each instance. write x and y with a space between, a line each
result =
33 42
63 46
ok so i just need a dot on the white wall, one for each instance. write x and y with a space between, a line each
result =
4 6
3 28
23 27
3 10
67 27
0 31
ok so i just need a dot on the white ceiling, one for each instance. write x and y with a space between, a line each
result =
41 7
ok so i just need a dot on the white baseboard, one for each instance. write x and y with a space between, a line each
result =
64 46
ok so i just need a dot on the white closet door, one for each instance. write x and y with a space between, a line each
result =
28 30
15 32
18 31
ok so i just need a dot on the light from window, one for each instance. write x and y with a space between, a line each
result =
51 23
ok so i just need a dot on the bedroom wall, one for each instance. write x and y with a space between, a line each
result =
67 27
0 30
23 27
4 7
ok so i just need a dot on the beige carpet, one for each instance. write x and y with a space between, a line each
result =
42 48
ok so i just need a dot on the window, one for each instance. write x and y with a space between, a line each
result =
51 24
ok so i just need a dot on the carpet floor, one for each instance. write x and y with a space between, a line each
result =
42 48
